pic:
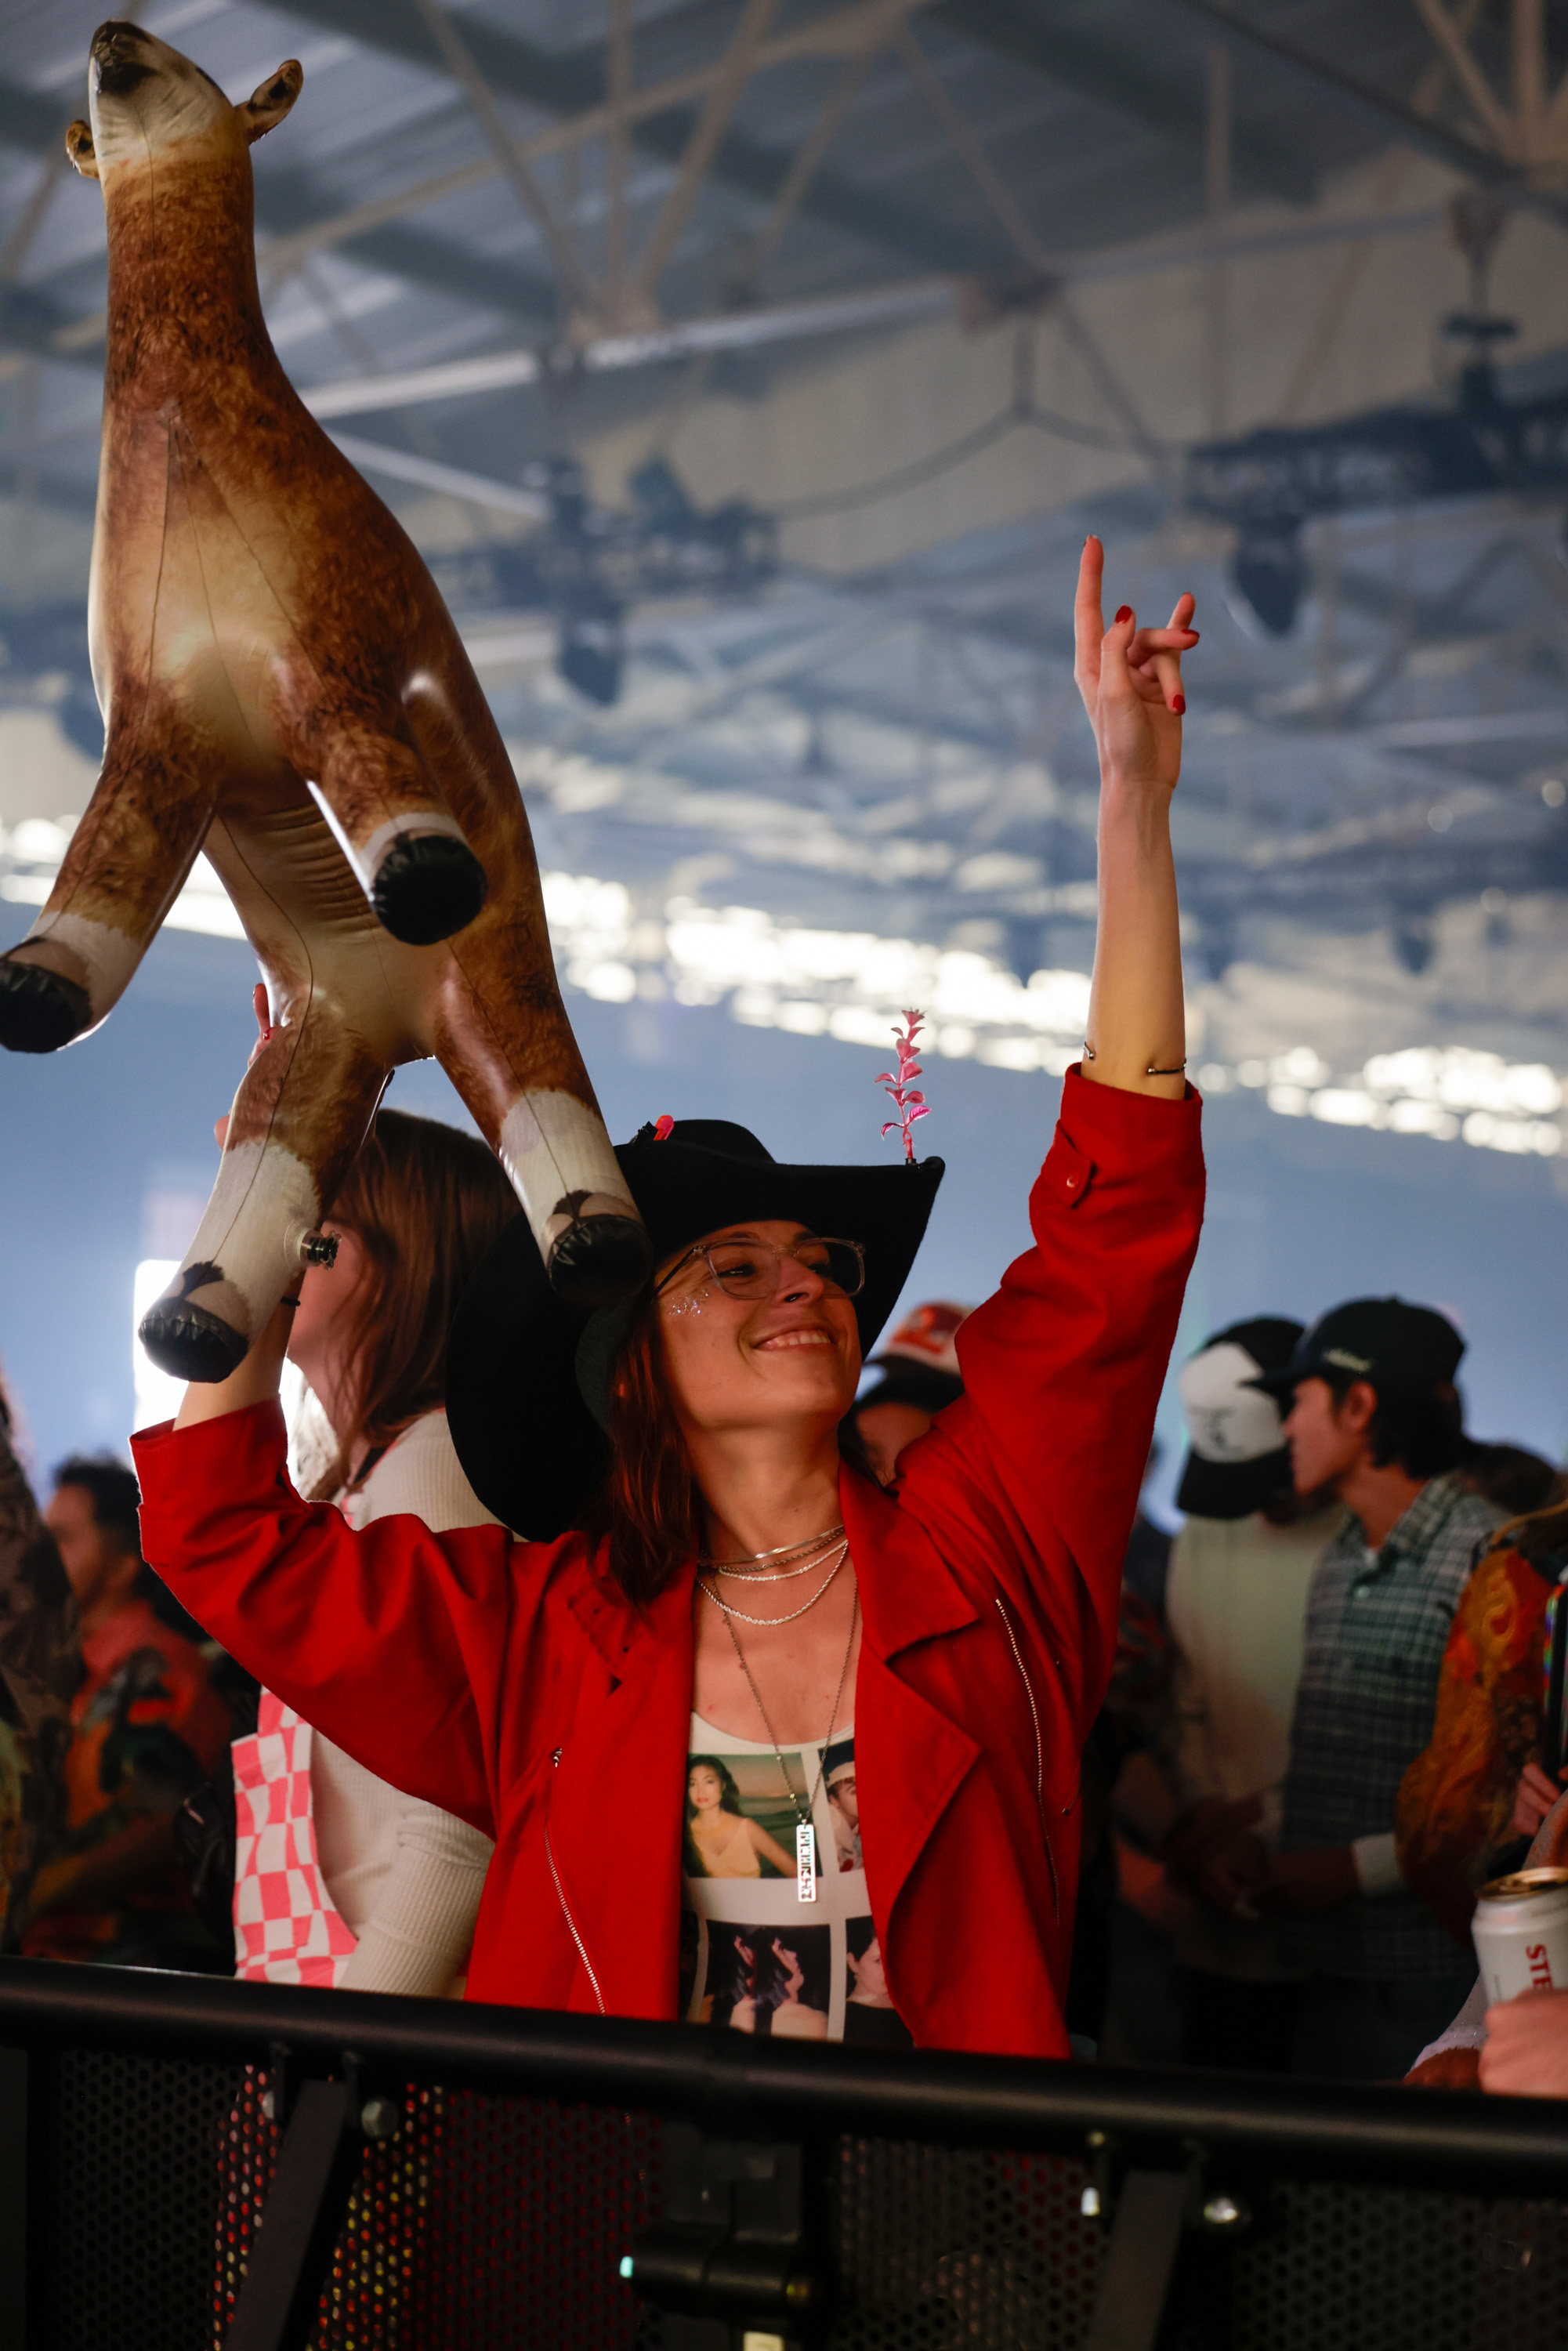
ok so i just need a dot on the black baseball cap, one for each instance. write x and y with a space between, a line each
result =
1411 1349
1238 1460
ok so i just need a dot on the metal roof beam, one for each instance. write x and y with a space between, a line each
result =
1115 79
570 81
1404 122
286 203
29 119
34 322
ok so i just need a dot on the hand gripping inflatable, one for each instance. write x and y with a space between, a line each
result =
281 683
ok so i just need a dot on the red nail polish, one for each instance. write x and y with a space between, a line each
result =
1179 705
1124 613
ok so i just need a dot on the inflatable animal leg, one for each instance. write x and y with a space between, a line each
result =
299 1116
396 831
499 1028
549 1136
389 818
126 864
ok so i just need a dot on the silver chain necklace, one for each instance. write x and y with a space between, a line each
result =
720 1603
776 1574
781 1550
805 1829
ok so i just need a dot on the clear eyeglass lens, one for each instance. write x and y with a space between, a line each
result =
750 1269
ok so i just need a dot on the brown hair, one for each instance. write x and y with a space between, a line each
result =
648 1509
1423 1432
424 1202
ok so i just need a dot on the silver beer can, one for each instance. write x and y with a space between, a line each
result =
1520 1930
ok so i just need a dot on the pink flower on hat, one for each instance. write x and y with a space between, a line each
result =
900 1084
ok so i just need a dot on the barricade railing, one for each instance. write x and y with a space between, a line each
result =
186 2162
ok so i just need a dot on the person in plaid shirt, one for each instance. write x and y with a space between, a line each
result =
1374 1419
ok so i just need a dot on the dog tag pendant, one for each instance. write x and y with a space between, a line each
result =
805 1862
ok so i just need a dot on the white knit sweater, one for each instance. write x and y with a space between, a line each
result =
405 1877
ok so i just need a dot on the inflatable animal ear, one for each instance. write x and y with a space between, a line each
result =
79 147
266 106
282 686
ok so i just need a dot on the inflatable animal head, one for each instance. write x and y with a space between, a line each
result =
148 102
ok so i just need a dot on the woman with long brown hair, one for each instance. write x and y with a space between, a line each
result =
340 1878
712 1571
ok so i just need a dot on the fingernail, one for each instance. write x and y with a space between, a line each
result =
1179 705
1124 612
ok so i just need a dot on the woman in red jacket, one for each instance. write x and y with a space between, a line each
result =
734 1588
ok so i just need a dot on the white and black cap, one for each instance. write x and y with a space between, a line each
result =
1237 1460
919 1364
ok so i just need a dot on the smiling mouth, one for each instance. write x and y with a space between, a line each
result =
814 1338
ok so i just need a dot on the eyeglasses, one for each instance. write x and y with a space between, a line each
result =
750 1269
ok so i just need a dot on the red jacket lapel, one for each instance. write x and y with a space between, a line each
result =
619 1867
911 1757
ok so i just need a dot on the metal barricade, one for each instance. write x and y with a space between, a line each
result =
196 2165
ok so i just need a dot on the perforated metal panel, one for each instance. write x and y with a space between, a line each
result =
498 2222
493 2222
133 2154
1384 2269
530 2210
937 2247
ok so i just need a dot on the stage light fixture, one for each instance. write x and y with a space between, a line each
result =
1413 942
1268 573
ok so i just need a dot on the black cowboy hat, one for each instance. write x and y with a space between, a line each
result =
522 1364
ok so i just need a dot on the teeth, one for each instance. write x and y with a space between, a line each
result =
800 1339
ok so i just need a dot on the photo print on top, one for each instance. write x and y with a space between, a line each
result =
739 1819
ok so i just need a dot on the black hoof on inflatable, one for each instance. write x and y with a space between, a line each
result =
600 1261
427 887
188 1344
39 1011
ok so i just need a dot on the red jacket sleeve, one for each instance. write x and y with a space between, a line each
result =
1044 1454
388 1640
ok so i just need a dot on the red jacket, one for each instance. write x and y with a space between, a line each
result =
511 1684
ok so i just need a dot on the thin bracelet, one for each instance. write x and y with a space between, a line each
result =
1090 1055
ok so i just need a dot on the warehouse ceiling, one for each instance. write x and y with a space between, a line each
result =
495 238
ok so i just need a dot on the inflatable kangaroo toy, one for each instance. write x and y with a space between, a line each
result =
281 683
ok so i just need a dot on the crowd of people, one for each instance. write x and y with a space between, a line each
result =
1328 1721
1355 1738
641 1661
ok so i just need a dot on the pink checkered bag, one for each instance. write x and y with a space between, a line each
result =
287 1927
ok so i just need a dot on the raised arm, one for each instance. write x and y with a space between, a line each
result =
1034 1472
1130 679
389 1641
